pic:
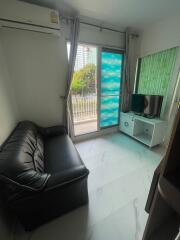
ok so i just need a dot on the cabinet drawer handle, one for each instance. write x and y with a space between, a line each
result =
126 124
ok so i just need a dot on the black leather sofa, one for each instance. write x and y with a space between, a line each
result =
41 174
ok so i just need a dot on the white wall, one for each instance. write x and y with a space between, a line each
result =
8 107
37 64
8 120
102 37
160 36
93 35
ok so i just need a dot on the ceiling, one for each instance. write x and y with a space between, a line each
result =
121 13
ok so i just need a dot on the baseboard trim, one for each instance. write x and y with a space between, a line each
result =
88 136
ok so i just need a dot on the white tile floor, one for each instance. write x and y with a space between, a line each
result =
85 127
121 170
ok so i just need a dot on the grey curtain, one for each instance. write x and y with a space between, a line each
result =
75 26
126 78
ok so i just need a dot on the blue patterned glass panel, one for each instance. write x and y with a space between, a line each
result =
111 68
111 73
109 111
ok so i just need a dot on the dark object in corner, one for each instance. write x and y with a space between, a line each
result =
153 188
41 174
164 215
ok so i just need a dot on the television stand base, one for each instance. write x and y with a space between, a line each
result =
149 131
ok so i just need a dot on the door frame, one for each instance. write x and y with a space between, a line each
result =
99 86
74 137
109 129
113 50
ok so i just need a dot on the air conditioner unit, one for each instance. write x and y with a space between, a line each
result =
21 15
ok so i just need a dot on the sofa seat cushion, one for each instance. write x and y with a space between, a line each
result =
60 154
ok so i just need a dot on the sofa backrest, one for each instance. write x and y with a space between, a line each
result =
22 158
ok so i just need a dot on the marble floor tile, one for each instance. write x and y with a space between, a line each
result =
121 171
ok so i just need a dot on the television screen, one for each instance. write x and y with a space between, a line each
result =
147 105
152 105
137 105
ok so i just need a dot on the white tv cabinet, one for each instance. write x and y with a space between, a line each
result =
150 131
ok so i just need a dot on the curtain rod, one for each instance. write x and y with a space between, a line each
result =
93 25
109 29
101 27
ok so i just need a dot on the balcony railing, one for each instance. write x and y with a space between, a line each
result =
84 108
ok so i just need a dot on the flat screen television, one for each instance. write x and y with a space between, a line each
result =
152 105
147 105
137 104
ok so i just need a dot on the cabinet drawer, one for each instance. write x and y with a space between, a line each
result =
126 116
127 125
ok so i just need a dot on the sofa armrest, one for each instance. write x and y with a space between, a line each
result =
67 176
63 192
52 131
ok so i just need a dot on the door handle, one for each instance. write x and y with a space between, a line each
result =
126 124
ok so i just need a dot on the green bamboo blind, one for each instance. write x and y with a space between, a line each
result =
156 72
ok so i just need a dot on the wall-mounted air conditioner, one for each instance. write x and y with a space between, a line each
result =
21 15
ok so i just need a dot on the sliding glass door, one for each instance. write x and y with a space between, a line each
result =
84 90
95 90
110 86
